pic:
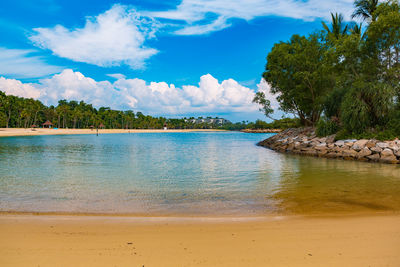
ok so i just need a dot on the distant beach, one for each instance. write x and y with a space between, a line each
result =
45 131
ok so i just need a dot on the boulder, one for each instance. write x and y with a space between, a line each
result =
290 147
331 145
297 144
397 153
382 145
376 149
339 143
360 144
389 159
363 153
374 157
370 143
349 154
322 153
321 146
330 138
387 153
393 146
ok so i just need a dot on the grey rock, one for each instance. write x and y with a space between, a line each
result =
339 143
320 146
382 145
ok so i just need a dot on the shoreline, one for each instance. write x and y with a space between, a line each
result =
9 132
290 241
303 141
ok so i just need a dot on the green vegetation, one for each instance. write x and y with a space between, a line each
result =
344 78
23 113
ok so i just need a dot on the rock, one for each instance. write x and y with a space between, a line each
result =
322 152
376 149
360 144
370 143
330 138
349 142
387 153
363 153
388 159
320 146
397 153
393 146
374 157
290 147
382 145
349 154
331 145
339 143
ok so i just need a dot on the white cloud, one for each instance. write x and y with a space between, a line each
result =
116 76
113 38
20 63
17 88
194 12
265 87
118 36
156 98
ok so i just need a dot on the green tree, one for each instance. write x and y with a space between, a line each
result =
298 73
365 9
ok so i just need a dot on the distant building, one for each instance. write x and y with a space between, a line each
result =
209 120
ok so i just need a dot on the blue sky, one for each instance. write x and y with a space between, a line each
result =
173 58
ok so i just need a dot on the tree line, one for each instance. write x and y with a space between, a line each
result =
19 112
344 78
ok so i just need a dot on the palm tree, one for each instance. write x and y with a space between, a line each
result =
338 28
365 9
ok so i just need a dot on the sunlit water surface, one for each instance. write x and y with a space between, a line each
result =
203 173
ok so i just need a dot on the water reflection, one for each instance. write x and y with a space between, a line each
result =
190 173
326 186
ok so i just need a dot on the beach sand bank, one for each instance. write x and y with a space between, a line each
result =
29 240
44 131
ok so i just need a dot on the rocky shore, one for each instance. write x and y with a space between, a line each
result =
261 130
305 142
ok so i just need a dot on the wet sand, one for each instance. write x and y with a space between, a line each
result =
42 131
62 240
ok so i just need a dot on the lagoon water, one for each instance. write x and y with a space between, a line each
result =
197 173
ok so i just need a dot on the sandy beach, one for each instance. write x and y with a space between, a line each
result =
45 131
43 240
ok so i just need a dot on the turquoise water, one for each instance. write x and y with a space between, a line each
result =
183 173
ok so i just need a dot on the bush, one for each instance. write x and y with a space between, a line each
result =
326 127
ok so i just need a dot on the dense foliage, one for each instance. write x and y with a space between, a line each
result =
344 78
23 113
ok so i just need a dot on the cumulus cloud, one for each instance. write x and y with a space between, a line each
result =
17 88
157 98
113 38
22 63
194 12
265 87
